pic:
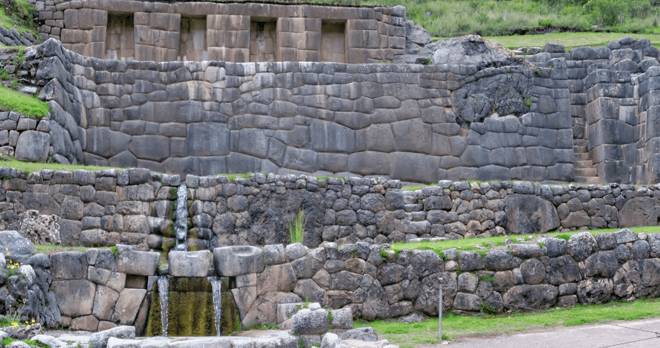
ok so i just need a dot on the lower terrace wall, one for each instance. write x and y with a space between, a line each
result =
370 279
134 207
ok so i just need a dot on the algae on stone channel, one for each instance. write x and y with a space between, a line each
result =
190 309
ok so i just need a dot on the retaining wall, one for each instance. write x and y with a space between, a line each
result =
370 279
134 206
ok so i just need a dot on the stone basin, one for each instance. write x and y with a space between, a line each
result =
189 263
233 261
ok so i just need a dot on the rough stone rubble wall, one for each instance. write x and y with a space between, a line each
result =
323 118
372 34
134 207
372 281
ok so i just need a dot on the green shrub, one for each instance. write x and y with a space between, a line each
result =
297 227
605 12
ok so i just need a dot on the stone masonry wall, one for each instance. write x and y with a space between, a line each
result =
134 207
371 280
373 34
393 120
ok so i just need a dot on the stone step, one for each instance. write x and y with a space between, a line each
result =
580 149
584 164
586 172
588 180
581 156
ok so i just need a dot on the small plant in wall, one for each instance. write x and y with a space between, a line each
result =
297 227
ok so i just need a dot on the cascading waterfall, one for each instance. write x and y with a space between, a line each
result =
181 224
163 293
216 285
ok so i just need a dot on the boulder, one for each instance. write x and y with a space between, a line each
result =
472 50
189 263
32 146
640 211
128 305
562 270
307 322
331 340
15 246
74 297
100 339
366 333
593 291
41 229
602 264
624 235
134 262
581 245
69 265
499 260
470 261
467 302
232 261
524 297
527 214
426 262
342 318
533 271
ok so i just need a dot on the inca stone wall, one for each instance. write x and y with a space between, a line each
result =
151 31
370 280
135 207
610 104
409 122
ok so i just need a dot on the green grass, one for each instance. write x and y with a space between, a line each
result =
46 248
470 244
20 19
416 187
29 167
11 100
455 326
9 340
233 177
569 40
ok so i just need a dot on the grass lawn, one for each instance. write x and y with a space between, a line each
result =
486 243
455 326
9 22
569 40
29 167
11 100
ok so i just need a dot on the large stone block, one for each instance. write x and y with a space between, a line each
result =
134 262
74 297
69 265
332 137
208 139
150 147
32 146
238 260
412 136
640 211
414 167
189 263
128 305
530 214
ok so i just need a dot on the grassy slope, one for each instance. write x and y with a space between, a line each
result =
30 167
486 243
454 326
9 23
569 40
22 103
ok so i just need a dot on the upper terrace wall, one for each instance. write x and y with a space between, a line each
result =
409 122
151 31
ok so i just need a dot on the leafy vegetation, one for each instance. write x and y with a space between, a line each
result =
11 100
569 40
297 227
454 326
447 18
19 16
7 341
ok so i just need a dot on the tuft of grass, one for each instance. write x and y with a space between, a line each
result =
454 326
114 250
297 227
233 177
11 100
7 341
416 187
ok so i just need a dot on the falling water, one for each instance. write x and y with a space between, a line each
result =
181 224
216 285
163 293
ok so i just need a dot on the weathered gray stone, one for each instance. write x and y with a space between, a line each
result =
366 333
307 322
100 339
69 265
531 296
134 262
500 260
189 263
32 146
581 245
126 309
562 270
533 271
530 214
238 260
74 297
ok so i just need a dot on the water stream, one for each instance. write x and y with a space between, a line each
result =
181 214
216 285
163 293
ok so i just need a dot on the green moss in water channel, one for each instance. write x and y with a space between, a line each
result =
191 309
